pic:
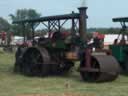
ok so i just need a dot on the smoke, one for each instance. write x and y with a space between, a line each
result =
84 3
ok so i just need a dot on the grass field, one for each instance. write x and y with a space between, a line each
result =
12 84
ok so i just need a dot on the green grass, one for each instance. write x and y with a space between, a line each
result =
12 84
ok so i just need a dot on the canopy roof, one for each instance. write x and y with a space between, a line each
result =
49 18
120 19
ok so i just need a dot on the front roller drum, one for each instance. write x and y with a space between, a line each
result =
103 68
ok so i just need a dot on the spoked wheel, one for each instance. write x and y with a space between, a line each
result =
66 66
35 62
103 68
61 68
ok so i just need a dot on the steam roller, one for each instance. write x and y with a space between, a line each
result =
36 61
57 53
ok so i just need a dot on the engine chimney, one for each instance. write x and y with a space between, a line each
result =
83 20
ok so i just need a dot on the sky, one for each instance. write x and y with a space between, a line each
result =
100 12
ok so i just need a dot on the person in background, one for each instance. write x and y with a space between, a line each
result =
3 38
115 42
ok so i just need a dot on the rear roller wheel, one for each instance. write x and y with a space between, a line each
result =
36 62
18 57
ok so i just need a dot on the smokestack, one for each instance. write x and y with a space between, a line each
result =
83 20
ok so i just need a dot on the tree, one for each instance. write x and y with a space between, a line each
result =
4 25
22 14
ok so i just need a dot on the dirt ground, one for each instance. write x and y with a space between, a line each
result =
64 94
